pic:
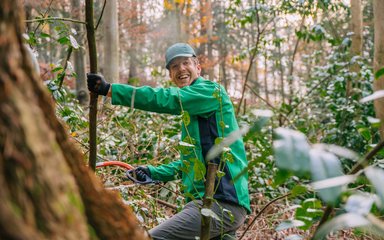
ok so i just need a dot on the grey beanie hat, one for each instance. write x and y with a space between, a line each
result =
178 50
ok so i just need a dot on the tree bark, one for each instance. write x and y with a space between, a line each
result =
79 57
47 192
378 8
357 43
111 42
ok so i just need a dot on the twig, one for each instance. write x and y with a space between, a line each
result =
62 74
54 19
261 211
101 15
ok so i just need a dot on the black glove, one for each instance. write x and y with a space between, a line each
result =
97 84
142 173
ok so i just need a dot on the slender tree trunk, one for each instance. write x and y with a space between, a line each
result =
292 67
47 192
79 56
266 84
357 43
133 77
209 20
378 9
111 42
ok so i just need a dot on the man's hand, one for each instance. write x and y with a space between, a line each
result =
97 84
142 173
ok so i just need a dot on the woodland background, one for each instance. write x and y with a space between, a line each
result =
306 76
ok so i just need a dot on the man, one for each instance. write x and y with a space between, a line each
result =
211 116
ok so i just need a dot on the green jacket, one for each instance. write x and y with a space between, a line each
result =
201 100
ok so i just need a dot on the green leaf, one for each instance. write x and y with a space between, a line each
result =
228 157
44 35
231 216
379 73
57 69
281 176
63 40
376 176
298 190
199 169
365 133
326 165
344 221
185 118
220 174
289 224
291 151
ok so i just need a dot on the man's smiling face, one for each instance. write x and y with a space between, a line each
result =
183 70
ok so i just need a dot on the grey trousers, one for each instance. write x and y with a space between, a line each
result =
187 223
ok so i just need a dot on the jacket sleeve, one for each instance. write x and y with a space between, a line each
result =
197 99
166 172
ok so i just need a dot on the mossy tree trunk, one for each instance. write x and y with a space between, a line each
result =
47 192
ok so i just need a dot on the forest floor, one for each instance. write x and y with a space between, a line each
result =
151 207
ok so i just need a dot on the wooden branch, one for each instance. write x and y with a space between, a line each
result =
207 201
94 96
54 19
62 74
101 14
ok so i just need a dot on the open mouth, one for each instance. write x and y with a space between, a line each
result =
183 77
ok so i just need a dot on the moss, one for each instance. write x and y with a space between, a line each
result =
75 200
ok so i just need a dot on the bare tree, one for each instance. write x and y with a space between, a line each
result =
378 8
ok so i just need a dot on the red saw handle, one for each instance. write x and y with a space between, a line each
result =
114 163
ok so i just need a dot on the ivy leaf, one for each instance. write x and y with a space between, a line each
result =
220 174
185 118
344 221
231 216
379 73
376 176
291 151
199 169
326 165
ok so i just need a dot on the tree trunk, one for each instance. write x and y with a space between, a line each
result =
266 87
111 42
79 57
133 77
378 8
357 45
46 190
